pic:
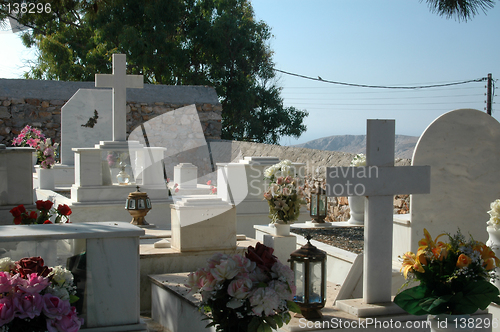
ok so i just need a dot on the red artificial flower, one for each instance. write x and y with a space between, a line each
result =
18 220
32 215
18 211
26 266
262 256
47 222
64 210
44 205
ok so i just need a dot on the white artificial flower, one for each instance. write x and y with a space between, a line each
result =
494 214
359 160
61 276
6 264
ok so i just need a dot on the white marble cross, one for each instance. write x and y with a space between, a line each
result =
119 81
379 181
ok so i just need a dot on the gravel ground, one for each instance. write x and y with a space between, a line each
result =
347 238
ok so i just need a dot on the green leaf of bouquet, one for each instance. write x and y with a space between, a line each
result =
73 298
279 320
409 300
270 321
287 317
293 307
254 324
480 293
436 305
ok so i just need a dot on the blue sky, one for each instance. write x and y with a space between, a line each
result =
383 42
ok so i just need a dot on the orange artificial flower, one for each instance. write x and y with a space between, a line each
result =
463 261
489 258
427 241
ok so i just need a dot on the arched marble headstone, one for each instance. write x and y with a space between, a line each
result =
463 149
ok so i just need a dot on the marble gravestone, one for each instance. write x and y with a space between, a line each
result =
85 120
462 147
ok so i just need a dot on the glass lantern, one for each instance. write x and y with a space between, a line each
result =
138 205
319 203
309 266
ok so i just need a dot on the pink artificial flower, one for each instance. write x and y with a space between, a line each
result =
268 195
226 270
214 190
31 142
54 307
33 284
264 301
5 282
243 263
216 259
280 270
240 288
286 191
176 190
288 179
209 182
282 289
68 323
168 179
176 185
28 305
280 180
7 310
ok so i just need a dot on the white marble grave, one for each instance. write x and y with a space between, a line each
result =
379 181
462 147
112 266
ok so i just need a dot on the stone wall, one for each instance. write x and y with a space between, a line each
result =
38 103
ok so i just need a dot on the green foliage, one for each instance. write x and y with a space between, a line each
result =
190 42
420 300
461 9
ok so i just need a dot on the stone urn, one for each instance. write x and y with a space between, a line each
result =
357 206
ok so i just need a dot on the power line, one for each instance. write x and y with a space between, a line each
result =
319 79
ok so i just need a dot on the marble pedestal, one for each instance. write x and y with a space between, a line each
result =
112 266
283 245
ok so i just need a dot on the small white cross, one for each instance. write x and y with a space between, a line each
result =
379 181
119 81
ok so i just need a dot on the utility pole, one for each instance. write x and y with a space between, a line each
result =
489 94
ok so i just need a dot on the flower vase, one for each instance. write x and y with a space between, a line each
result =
282 229
45 178
449 323
494 243
357 206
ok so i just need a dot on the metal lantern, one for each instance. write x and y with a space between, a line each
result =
138 205
318 205
309 266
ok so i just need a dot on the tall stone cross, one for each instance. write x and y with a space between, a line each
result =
119 81
378 181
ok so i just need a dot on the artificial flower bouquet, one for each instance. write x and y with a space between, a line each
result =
45 212
46 153
454 277
358 160
284 194
45 150
35 298
246 293
29 136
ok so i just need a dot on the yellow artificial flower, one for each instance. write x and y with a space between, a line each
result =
412 262
463 261
427 241
490 260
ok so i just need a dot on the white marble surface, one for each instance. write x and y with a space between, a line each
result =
16 184
186 175
462 147
77 112
203 223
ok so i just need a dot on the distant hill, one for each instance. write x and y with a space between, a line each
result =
357 144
